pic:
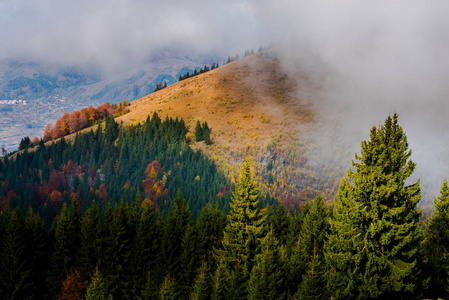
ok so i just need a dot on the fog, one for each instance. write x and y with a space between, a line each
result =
116 34
371 58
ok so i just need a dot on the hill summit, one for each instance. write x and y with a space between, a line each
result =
251 106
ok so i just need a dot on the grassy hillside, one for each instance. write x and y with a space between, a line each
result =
252 106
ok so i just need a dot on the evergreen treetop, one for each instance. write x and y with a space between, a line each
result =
437 244
373 247
245 226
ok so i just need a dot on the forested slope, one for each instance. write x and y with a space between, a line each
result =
113 163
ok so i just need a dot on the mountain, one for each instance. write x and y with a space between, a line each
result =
253 106
47 91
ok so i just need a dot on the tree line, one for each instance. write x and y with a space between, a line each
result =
76 121
198 72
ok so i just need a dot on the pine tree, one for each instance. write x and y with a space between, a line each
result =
66 246
313 281
310 251
281 224
198 132
144 247
173 232
169 289
202 286
220 282
245 228
37 239
189 261
91 228
437 245
210 226
267 276
151 289
97 289
14 271
122 235
206 134
373 247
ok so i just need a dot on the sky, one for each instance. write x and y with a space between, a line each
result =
112 32
371 58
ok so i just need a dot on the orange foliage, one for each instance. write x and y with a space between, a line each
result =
79 170
70 167
102 193
57 131
70 123
47 133
147 201
153 173
56 198
73 122
73 287
64 123
154 164
56 179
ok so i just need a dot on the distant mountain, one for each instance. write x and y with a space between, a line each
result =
49 90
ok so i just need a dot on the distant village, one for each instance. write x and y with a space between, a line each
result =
13 102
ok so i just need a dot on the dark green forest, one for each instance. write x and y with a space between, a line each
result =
150 160
134 213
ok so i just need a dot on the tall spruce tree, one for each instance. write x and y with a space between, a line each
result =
198 131
97 289
91 228
437 245
206 134
14 271
38 249
66 246
310 251
202 286
267 279
373 248
220 282
245 228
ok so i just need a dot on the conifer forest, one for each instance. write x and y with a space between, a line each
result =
134 213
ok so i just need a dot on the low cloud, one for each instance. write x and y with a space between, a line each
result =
122 32
373 58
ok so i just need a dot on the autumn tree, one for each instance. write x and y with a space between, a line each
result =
373 247
73 287
73 121
47 133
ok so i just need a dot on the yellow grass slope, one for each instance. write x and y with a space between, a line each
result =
251 106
